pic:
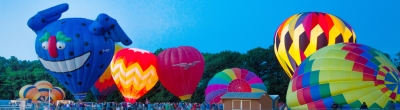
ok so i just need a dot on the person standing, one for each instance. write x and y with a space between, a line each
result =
392 106
202 106
364 106
334 106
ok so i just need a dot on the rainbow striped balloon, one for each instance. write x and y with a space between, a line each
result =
346 73
233 80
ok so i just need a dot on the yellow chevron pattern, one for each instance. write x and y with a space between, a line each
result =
302 34
133 81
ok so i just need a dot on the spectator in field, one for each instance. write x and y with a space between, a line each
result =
202 106
221 106
188 106
208 106
334 106
392 106
149 106
364 106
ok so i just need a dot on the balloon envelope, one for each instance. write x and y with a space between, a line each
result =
75 51
57 94
105 85
81 57
233 80
44 87
180 70
29 92
134 72
304 33
346 73
43 91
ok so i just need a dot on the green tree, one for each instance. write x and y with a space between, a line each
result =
397 61
3 75
16 73
216 63
3 65
158 51
263 62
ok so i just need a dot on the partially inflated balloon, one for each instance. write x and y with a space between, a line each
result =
233 80
346 73
43 91
302 34
180 70
29 92
105 85
134 72
76 51
44 88
57 94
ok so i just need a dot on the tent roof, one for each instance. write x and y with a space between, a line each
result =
243 95
273 97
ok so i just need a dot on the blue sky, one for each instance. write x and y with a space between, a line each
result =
208 25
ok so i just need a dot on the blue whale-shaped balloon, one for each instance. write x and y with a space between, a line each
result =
76 51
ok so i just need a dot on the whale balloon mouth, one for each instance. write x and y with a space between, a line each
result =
65 65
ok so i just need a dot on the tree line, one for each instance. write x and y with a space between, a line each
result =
16 73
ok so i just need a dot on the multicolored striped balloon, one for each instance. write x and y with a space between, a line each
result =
41 91
44 88
304 33
29 92
57 94
346 73
233 80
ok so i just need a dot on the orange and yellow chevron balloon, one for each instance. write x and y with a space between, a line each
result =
134 72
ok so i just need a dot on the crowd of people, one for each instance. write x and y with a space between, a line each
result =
143 106
336 106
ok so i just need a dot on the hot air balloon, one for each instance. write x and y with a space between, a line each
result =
29 92
105 85
304 33
346 73
233 80
44 87
134 72
41 91
180 70
57 94
76 51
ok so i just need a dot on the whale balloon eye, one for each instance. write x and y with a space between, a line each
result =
60 45
45 45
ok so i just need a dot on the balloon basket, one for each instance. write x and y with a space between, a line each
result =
185 97
80 96
131 100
